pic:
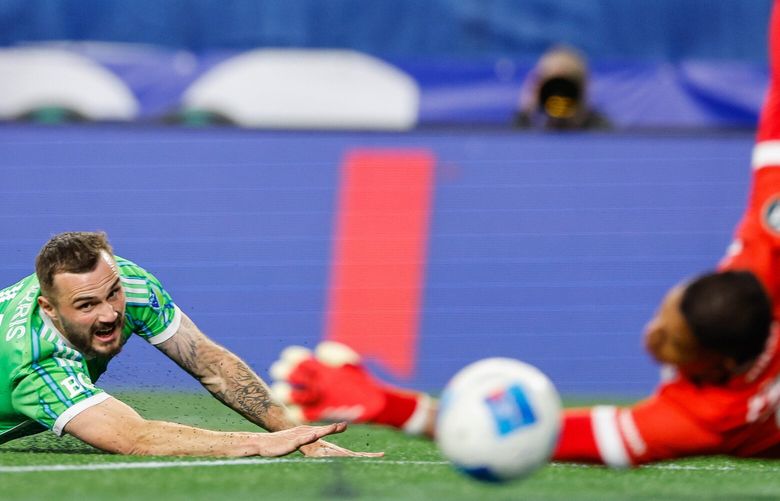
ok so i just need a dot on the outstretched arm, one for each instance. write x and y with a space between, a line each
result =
757 237
332 383
115 427
232 382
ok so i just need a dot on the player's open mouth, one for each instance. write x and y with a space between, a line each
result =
107 334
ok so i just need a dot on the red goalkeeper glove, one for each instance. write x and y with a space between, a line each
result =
331 384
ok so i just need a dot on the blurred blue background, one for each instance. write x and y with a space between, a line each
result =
550 247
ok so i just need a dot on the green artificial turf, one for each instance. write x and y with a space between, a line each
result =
412 469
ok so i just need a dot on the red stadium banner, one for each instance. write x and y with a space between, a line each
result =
379 255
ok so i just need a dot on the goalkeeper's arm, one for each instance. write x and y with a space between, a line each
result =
331 383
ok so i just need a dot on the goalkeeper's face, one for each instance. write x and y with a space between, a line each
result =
89 308
669 339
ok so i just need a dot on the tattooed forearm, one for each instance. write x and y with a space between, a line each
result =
246 391
243 391
226 376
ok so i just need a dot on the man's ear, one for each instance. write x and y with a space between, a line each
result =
47 306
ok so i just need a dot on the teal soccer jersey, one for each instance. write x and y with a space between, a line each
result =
44 382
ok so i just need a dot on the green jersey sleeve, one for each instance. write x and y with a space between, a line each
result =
150 312
55 386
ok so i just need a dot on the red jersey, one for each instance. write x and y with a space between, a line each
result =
741 417
756 244
681 419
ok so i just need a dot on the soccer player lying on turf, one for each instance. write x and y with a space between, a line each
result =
60 328
715 336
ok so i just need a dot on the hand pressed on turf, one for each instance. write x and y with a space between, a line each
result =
284 442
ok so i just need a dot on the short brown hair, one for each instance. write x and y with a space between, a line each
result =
729 312
69 252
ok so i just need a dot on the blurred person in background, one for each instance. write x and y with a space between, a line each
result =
555 94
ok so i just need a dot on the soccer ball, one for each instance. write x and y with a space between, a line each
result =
498 419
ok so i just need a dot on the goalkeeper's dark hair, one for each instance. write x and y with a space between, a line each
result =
728 312
69 252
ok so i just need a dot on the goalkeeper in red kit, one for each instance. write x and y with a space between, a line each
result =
715 335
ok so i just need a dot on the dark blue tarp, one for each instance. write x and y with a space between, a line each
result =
624 29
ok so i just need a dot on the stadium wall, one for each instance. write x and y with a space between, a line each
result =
554 249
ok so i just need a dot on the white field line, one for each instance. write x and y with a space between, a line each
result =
154 465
